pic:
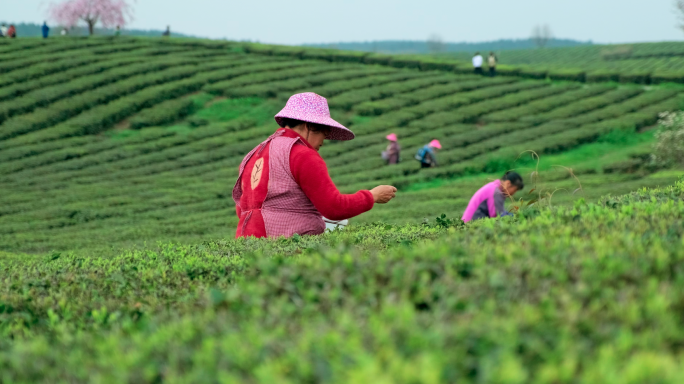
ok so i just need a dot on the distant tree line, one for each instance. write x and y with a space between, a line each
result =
435 44
33 30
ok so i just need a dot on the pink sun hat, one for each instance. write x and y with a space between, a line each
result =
313 108
435 144
391 137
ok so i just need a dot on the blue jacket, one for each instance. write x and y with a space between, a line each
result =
426 155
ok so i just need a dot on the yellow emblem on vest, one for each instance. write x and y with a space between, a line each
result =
256 172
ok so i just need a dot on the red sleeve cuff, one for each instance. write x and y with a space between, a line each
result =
370 201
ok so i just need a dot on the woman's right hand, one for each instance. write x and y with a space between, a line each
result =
383 193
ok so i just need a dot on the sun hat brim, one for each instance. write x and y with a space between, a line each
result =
337 131
312 108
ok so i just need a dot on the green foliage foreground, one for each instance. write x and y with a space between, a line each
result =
591 293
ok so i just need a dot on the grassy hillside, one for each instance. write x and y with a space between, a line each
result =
113 142
634 63
591 293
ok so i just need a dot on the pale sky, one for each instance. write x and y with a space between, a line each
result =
325 21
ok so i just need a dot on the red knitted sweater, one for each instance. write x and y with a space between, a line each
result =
311 173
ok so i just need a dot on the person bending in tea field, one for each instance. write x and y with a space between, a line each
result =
393 151
427 155
283 186
489 200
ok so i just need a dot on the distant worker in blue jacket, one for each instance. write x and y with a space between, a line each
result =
46 30
427 154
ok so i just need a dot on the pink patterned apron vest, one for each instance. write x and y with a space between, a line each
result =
286 209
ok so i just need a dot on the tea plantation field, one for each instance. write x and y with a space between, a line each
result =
590 293
114 142
117 257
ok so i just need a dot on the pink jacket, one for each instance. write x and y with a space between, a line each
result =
485 193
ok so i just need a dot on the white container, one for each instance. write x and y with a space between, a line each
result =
334 224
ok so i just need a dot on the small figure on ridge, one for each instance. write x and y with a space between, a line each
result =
477 63
491 62
45 29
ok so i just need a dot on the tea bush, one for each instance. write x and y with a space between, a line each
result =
586 293
162 113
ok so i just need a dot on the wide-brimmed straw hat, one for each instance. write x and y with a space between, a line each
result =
391 137
313 108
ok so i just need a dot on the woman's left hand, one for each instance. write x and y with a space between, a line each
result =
383 193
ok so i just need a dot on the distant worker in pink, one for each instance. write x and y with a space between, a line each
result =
489 200
427 155
283 186
391 154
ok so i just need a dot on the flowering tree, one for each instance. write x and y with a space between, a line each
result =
669 146
109 13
